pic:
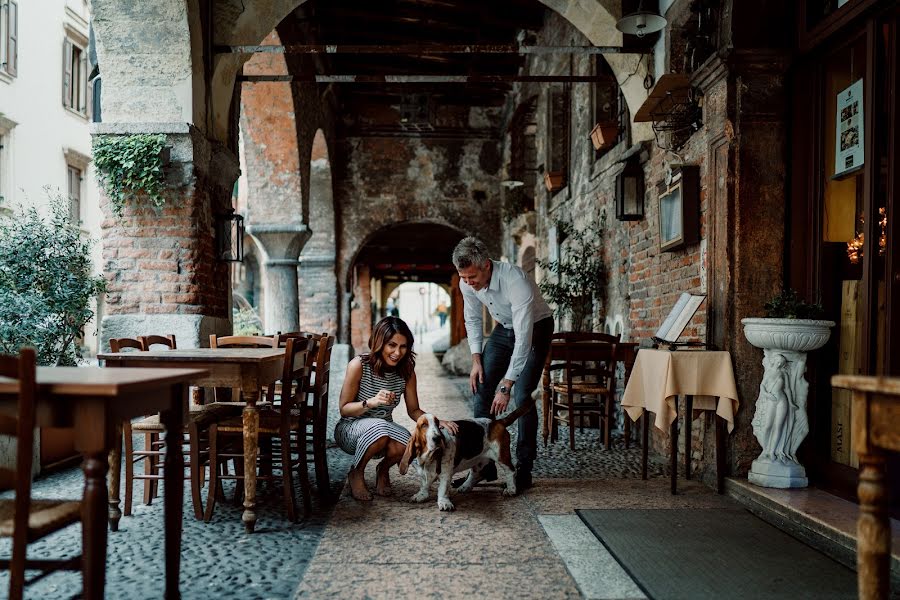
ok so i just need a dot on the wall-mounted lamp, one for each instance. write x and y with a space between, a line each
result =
512 184
630 191
641 22
230 236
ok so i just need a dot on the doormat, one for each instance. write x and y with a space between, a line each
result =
716 553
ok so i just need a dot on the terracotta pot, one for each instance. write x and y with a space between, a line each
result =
604 135
554 180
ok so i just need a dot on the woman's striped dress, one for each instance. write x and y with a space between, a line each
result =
355 434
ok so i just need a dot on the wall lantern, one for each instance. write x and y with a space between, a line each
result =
630 191
230 237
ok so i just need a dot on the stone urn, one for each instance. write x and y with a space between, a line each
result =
780 422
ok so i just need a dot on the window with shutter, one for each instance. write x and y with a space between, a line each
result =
74 185
558 137
12 39
82 81
67 74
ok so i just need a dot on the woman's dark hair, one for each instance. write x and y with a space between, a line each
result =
387 328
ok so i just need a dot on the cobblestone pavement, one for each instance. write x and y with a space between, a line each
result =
377 549
491 545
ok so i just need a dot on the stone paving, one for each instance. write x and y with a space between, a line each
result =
379 549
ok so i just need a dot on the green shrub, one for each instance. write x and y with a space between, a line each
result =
580 273
45 283
789 305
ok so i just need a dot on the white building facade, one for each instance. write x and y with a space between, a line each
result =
45 114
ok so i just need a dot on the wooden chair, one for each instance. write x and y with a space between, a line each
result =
154 447
283 424
23 518
316 406
587 366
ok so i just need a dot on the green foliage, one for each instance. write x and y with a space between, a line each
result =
45 283
246 321
579 274
789 305
128 165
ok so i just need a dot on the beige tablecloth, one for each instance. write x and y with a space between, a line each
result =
660 376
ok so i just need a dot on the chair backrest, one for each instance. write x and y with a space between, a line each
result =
585 336
584 361
322 366
158 340
121 344
22 368
295 375
243 341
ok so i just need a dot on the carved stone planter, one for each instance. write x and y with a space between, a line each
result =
780 422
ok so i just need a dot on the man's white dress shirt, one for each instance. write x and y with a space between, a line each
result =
515 302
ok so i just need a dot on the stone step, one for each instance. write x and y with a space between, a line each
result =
816 517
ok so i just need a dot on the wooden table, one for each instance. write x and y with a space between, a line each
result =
704 377
246 368
875 430
94 402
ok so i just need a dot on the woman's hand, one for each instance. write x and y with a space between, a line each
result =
382 398
450 426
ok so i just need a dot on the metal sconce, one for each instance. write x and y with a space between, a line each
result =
230 237
641 22
630 191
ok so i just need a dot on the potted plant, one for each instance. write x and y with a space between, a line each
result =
604 135
554 180
791 328
577 275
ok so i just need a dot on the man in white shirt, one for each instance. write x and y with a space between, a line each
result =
512 360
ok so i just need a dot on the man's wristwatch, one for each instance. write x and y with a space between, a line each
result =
365 403
504 390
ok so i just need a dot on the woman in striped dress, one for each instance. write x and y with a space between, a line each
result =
372 389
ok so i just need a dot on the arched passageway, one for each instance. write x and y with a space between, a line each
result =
405 252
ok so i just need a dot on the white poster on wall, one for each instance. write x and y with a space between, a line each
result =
849 153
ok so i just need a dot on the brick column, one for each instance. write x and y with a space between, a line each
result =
282 245
161 268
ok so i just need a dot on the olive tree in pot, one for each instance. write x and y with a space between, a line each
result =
577 276
790 329
46 283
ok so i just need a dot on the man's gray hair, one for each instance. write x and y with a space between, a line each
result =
470 251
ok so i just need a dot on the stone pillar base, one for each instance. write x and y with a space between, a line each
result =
777 474
191 331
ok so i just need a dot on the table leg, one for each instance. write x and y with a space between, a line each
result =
115 470
873 530
688 422
645 434
251 450
173 474
93 526
673 451
720 453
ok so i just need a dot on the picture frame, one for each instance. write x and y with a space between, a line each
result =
679 209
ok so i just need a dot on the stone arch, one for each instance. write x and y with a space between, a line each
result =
420 250
318 280
245 22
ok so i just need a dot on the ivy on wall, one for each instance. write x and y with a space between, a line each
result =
128 165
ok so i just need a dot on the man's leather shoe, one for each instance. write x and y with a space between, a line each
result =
523 481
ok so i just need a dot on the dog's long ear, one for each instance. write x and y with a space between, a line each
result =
411 448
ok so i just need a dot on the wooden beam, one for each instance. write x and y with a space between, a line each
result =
311 78
416 49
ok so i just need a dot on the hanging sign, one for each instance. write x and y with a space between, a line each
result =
848 144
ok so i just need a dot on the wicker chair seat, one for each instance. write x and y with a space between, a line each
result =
581 388
46 516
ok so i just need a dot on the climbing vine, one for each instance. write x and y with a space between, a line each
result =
131 164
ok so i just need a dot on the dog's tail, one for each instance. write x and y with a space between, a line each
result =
511 417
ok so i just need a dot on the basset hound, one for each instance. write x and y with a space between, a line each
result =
441 454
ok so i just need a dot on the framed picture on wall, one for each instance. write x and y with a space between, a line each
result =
679 212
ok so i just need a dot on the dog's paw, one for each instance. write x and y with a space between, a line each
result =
420 497
509 490
445 504
466 487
